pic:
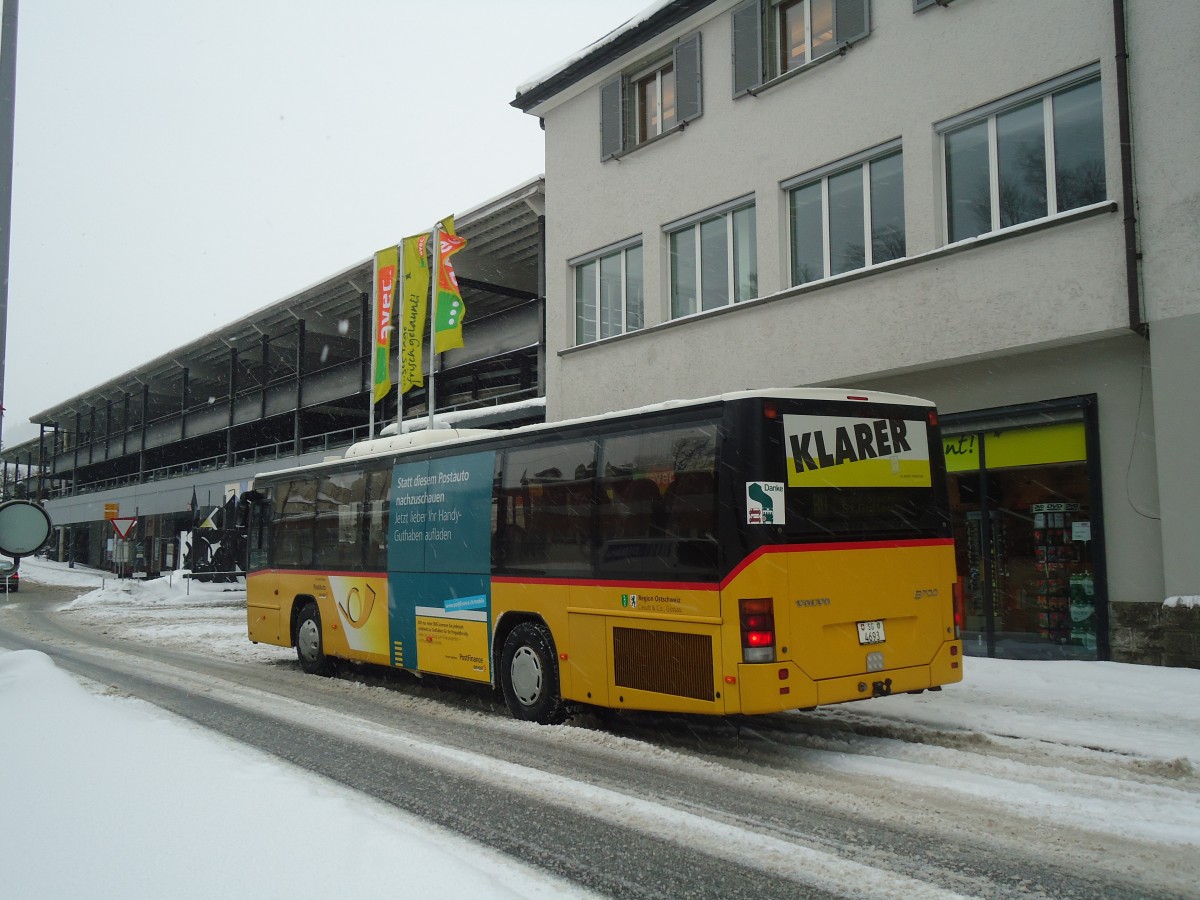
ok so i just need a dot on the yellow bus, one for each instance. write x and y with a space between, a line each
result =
748 553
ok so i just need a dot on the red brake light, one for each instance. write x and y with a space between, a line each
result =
757 619
932 418
960 614
856 397
770 411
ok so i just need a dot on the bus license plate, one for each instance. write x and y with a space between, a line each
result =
871 632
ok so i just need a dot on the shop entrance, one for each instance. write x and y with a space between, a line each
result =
1028 530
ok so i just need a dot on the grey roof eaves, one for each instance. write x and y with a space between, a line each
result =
562 78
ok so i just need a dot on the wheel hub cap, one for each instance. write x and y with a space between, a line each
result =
308 639
526 673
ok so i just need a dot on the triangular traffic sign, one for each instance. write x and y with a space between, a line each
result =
122 526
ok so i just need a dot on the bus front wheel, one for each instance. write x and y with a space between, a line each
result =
529 675
310 648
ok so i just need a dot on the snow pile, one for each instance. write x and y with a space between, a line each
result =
106 798
1188 601
173 609
40 571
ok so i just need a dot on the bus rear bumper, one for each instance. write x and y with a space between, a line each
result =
765 687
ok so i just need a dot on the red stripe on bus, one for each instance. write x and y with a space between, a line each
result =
587 582
330 572
833 545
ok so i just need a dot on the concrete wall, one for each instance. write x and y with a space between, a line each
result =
1165 103
1051 287
893 84
1175 377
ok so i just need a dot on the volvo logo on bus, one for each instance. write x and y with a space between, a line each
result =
813 601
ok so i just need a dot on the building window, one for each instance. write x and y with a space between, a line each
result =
803 31
654 102
650 101
608 293
713 259
774 37
847 215
1025 158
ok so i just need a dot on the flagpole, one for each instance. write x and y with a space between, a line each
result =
399 298
433 292
374 313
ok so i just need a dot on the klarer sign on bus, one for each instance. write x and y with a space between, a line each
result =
827 451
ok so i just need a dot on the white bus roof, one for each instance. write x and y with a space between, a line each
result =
397 443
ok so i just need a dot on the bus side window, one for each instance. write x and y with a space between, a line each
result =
339 502
550 493
691 505
661 518
294 510
377 507
636 509
257 543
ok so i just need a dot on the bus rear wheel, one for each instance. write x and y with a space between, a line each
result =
529 675
310 648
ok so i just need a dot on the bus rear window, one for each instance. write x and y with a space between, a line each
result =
857 471
826 513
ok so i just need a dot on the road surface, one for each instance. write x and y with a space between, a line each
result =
639 805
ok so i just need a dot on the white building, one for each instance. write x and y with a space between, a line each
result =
930 197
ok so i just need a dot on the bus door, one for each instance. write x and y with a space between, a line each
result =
263 617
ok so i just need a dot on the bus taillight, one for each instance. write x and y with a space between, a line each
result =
960 614
757 618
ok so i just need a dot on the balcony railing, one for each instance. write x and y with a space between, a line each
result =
59 486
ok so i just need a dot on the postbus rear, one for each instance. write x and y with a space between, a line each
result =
843 586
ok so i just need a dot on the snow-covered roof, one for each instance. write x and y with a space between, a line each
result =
650 22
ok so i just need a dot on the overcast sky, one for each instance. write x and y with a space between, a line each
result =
182 163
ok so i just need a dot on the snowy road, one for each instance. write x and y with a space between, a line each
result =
885 798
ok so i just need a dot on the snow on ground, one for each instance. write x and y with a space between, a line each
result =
1105 747
175 610
87 779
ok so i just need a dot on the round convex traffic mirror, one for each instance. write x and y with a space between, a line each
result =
24 528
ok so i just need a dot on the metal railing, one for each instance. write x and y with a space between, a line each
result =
330 440
326 441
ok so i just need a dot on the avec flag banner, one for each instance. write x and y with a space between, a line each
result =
414 301
447 327
384 285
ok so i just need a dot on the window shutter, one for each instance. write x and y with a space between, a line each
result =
612 119
747 47
688 85
851 20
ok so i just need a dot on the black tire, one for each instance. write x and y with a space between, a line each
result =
310 645
529 675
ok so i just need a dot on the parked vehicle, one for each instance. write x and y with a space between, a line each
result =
9 575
